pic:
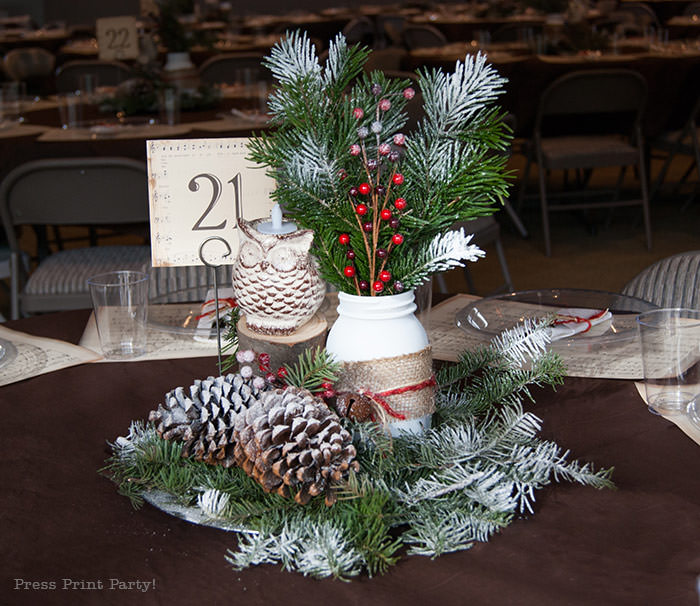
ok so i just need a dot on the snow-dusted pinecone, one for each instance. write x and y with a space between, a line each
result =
291 440
203 418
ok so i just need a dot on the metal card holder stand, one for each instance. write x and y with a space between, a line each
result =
214 269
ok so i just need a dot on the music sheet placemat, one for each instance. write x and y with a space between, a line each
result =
161 345
682 421
448 340
39 355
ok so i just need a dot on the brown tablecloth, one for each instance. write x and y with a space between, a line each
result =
639 544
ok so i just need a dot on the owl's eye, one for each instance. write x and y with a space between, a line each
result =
282 258
250 254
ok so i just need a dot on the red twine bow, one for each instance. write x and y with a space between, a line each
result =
228 303
566 319
379 397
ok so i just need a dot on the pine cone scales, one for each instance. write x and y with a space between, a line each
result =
290 440
203 420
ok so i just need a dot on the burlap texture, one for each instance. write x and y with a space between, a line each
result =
384 374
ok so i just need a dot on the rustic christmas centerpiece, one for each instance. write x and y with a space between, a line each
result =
381 199
298 462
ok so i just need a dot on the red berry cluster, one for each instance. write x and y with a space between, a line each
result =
377 208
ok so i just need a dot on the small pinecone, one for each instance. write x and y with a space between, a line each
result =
203 420
290 439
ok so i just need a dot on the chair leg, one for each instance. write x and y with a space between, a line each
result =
504 265
523 182
14 286
441 284
516 219
545 211
645 197
470 282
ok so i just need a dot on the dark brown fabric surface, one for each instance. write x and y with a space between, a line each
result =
639 544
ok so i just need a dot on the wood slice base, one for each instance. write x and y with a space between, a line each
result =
284 350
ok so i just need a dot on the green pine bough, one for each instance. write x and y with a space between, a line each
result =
458 483
383 202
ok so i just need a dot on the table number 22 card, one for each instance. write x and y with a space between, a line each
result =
198 189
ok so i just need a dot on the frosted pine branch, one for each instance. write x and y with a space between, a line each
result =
525 341
451 100
293 58
446 251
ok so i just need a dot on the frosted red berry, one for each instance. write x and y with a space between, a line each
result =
397 179
409 93
364 188
400 203
384 105
399 139
397 239
281 372
355 149
358 112
384 149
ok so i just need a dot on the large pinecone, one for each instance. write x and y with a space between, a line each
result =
203 419
291 440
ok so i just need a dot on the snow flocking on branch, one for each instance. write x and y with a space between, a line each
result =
450 100
294 57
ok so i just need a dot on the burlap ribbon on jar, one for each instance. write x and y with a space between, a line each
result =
403 386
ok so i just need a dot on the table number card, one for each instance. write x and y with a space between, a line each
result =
117 38
199 188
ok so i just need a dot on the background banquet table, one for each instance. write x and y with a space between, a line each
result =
634 545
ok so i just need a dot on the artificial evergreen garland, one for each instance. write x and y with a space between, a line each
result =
381 201
464 479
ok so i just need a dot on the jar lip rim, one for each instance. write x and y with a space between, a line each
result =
408 295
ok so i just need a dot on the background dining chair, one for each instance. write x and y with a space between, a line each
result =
32 65
586 120
104 73
670 282
422 36
679 142
233 68
71 191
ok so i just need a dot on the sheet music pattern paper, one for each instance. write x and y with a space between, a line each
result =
161 345
448 341
197 188
38 355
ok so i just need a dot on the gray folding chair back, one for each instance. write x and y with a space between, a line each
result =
670 282
586 120
234 68
71 75
71 191
423 36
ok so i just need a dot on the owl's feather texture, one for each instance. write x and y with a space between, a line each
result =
275 281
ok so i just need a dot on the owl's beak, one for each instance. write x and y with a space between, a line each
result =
264 265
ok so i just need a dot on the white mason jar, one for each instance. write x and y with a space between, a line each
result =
386 331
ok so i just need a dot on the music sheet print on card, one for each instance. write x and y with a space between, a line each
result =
199 188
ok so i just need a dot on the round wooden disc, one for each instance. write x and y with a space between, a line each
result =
284 349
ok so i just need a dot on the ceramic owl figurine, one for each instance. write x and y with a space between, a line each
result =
275 280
